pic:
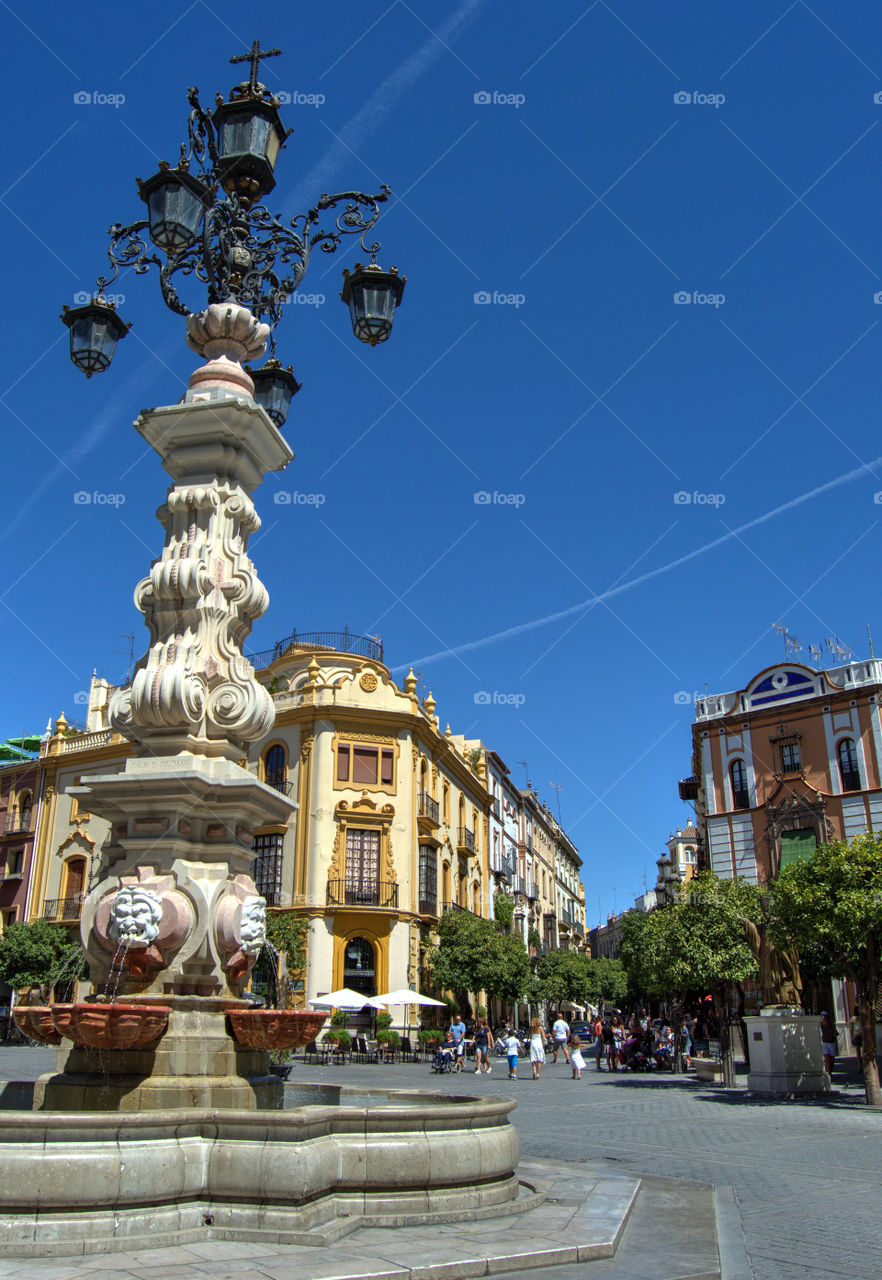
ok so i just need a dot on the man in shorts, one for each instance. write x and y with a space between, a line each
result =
560 1035
457 1030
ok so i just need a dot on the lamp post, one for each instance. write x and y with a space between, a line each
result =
175 919
212 226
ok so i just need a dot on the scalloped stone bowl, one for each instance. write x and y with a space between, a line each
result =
35 1020
110 1026
275 1028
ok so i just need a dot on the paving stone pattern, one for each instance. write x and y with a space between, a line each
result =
807 1176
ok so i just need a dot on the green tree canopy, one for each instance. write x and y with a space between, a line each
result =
288 933
605 980
503 911
38 953
830 906
562 976
472 955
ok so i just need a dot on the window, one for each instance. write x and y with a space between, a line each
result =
791 757
428 880
14 860
24 809
275 768
738 777
362 866
848 765
445 804
75 878
359 765
267 869
797 844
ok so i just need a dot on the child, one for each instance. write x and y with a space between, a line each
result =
512 1049
576 1060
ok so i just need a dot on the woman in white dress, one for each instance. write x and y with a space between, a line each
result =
537 1047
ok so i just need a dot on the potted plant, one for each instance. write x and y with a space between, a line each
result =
387 1040
339 1037
280 1063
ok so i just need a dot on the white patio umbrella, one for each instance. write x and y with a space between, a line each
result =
346 998
403 995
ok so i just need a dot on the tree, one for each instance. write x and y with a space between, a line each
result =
472 955
288 933
39 953
503 911
830 907
606 979
697 943
562 976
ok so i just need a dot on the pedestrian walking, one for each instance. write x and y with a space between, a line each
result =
609 1044
576 1059
560 1035
829 1043
537 1047
598 1043
483 1042
512 1050
458 1031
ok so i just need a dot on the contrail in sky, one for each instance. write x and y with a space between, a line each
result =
384 98
535 623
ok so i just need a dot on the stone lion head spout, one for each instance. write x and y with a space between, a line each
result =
135 916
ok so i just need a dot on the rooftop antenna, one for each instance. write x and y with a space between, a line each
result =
815 654
130 650
558 787
526 778
870 638
782 631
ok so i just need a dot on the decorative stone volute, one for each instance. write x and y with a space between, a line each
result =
227 334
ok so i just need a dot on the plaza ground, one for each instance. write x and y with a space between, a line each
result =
798 1184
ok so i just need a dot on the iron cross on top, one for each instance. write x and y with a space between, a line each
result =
254 58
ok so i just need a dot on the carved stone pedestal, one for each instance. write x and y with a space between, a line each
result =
785 1053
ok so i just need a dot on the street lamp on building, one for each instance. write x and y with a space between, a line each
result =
211 225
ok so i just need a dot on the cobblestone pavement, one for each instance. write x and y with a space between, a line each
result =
807 1176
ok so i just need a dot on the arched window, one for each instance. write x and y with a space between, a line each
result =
24 811
74 883
848 765
476 899
445 884
275 768
738 777
359 967
445 804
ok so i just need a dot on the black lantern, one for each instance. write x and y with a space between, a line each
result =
250 135
175 203
95 330
372 295
274 389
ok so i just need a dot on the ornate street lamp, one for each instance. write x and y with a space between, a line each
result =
210 225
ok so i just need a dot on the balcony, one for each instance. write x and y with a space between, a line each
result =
532 890
17 821
466 840
429 809
363 893
327 641
455 906
851 780
279 784
62 909
688 788
428 906
11 874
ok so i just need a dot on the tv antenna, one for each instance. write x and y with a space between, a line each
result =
526 772
558 787
130 650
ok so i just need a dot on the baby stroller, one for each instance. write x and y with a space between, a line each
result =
636 1054
444 1060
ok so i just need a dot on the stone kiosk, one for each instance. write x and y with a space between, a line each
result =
785 1053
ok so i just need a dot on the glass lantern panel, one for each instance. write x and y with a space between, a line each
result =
245 134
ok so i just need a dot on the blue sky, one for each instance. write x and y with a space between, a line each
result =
539 156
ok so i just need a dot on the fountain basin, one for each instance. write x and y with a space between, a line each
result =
110 1026
36 1023
78 1183
275 1028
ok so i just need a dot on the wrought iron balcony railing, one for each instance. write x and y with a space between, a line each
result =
466 839
17 820
428 906
428 807
456 906
63 908
331 641
363 893
280 784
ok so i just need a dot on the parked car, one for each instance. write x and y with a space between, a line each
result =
584 1030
